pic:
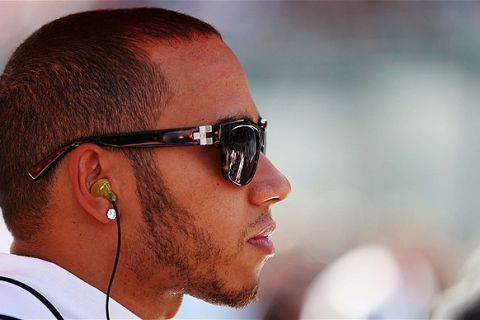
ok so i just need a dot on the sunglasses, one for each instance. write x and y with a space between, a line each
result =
240 142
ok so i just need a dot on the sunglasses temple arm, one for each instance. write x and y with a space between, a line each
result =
46 163
203 135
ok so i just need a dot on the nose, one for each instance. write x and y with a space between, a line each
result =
269 185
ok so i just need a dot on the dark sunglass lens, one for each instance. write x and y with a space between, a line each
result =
241 152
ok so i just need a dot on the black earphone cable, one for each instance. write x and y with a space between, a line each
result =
34 292
117 256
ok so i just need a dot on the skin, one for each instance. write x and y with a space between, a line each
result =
196 239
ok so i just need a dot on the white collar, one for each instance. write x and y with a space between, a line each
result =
73 297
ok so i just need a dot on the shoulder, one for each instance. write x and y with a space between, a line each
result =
19 303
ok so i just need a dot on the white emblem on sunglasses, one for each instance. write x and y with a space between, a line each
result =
202 135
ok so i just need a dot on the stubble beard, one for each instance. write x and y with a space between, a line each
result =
171 239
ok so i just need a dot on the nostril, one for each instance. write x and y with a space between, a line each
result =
272 198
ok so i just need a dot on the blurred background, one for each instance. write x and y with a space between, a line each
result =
373 116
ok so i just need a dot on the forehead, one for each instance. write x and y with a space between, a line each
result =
207 82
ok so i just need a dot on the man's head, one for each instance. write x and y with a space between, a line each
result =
186 228
81 75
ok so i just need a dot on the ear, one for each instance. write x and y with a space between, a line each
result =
86 164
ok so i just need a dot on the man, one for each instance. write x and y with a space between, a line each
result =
81 100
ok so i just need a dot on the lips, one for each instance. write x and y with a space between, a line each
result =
260 240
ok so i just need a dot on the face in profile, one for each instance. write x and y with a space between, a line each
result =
197 226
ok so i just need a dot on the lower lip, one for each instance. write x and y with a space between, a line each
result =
263 244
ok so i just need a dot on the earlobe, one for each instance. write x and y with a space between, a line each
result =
86 165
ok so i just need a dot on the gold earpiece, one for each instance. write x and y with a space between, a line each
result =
101 188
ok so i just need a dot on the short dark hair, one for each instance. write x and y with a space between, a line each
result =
80 75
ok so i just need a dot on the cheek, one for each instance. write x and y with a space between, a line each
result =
189 168
193 177
194 180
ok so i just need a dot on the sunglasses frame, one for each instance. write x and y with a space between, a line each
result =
207 135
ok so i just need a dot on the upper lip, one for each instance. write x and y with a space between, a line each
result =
266 230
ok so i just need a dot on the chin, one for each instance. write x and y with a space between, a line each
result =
242 298
235 298
234 293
